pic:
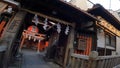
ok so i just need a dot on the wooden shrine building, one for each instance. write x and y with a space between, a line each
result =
107 30
60 29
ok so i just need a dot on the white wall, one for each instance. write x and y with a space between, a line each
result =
100 39
115 13
118 45
89 5
82 4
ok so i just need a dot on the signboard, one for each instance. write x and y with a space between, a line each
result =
2 6
108 26
82 43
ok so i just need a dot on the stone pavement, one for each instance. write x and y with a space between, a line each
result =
32 59
118 66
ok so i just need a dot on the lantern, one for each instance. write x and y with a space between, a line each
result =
33 29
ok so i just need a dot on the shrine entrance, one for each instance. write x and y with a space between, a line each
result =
50 42
32 35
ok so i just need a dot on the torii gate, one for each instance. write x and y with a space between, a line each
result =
32 33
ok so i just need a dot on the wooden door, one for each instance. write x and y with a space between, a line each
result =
61 48
53 42
57 46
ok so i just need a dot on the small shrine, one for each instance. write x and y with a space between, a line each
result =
32 34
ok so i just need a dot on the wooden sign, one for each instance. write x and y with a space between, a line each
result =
106 25
2 6
82 44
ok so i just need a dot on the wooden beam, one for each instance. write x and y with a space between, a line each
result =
48 17
2 6
41 23
50 28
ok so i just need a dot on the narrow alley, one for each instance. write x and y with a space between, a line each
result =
58 34
31 59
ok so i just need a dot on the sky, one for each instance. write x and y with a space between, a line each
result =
115 4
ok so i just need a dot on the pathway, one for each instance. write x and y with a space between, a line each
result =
31 59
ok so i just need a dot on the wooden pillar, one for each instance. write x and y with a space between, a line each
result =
38 48
94 38
11 34
69 47
21 44
2 26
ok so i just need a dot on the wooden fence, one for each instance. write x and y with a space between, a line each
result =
94 61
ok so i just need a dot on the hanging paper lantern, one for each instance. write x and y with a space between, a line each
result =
33 29
45 24
58 28
67 30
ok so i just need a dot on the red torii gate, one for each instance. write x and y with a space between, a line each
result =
32 33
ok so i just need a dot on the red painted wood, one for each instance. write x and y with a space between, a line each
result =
2 24
88 45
